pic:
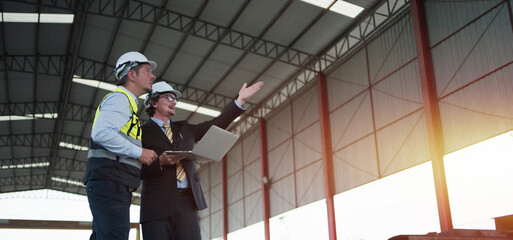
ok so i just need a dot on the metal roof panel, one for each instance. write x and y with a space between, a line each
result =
221 12
293 21
258 15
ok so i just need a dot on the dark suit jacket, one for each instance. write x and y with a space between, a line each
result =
159 194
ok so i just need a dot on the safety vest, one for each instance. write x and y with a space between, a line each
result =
105 165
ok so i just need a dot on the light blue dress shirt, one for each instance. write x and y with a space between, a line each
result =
179 184
114 113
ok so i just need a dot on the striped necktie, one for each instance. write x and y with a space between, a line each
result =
180 171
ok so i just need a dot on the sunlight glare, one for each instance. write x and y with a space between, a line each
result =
479 181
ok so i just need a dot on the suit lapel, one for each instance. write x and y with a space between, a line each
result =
157 131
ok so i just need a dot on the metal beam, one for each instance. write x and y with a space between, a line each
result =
147 13
207 56
43 140
224 172
327 153
60 4
73 112
264 181
33 180
432 112
90 112
12 162
91 69
5 74
337 50
27 140
49 64
143 12
71 165
214 46
348 42
246 52
64 164
178 47
36 76
308 68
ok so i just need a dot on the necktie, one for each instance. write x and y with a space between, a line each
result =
180 171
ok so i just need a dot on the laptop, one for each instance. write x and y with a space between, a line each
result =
212 147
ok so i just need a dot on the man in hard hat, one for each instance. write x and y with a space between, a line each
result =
116 154
171 192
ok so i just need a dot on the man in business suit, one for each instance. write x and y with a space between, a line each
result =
171 192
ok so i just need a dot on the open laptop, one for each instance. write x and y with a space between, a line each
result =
212 147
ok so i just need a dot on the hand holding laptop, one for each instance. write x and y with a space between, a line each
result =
212 147
170 158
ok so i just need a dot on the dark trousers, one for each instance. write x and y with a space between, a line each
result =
182 225
109 202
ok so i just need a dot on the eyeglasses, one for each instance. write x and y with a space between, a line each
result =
170 98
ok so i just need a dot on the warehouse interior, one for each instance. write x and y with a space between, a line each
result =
392 117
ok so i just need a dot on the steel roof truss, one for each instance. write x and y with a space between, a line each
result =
43 140
341 48
143 12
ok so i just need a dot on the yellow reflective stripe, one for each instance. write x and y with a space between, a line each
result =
135 132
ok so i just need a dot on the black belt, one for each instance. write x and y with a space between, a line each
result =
183 191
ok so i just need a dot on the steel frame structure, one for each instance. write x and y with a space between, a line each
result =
90 69
73 112
71 64
432 112
143 12
344 45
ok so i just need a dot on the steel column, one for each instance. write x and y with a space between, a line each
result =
510 13
224 172
265 177
432 113
327 154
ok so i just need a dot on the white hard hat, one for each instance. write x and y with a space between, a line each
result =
157 89
130 60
